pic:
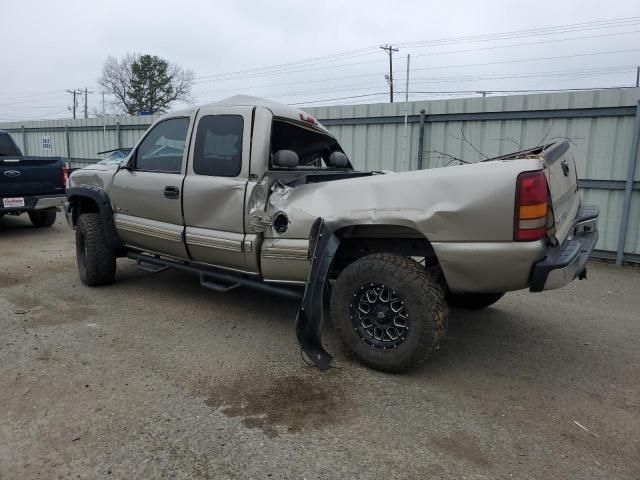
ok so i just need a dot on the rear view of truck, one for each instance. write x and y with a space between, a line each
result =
32 185
548 207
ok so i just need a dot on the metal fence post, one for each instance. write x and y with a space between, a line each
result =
626 206
66 136
421 139
24 141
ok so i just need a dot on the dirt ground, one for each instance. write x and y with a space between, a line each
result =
156 377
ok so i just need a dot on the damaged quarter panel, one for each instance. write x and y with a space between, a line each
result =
454 205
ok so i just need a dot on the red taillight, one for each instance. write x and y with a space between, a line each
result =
65 175
531 207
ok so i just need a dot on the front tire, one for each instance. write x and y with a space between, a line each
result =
96 258
473 301
389 312
42 218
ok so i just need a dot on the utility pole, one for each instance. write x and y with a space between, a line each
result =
638 77
75 102
406 117
389 49
85 103
406 93
103 104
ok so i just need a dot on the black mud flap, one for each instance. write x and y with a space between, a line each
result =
323 245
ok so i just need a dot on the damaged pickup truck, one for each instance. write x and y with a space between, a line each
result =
250 193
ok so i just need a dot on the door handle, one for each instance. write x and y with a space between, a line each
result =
171 192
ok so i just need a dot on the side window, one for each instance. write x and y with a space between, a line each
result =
218 150
162 149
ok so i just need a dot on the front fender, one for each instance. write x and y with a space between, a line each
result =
324 245
75 196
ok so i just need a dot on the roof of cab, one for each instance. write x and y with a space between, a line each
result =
278 109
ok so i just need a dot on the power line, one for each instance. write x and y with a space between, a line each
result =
21 95
262 71
535 59
351 64
309 61
374 85
329 61
556 73
339 98
25 102
285 68
551 30
459 92
325 79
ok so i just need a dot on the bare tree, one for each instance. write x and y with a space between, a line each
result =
145 83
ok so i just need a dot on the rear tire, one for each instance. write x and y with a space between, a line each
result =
96 258
473 301
42 218
389 312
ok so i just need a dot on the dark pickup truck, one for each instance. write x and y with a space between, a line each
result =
32 185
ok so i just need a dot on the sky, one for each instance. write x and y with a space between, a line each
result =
316 53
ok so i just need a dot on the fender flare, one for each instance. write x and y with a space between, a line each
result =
101 199
323 247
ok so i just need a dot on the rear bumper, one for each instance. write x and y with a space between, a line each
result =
36 202
567 261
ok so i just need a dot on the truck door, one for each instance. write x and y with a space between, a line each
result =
215 187
146 197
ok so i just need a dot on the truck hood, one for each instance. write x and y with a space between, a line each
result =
101 167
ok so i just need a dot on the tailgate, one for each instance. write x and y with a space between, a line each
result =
22 176
562 178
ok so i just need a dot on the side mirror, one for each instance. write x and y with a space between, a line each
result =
286 159
128 162
338 160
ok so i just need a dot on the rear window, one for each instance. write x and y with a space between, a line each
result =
313 147
7 147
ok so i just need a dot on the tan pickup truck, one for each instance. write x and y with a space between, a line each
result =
250 193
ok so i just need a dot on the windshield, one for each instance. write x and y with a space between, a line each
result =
114 157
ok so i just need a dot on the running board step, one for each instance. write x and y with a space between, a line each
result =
151 267
216 286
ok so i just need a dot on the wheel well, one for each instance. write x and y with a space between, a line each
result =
83 205
361 240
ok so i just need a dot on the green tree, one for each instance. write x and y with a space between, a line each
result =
145 83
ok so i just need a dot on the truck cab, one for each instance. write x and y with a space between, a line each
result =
195 186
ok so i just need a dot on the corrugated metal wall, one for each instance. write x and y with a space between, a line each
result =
78 139
599 125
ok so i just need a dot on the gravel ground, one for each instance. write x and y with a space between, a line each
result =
156 377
